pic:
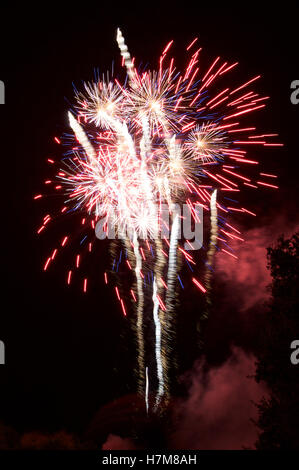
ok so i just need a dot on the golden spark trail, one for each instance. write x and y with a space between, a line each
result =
125 53
170 294
212 245
82 139
158 343
159 265
140 305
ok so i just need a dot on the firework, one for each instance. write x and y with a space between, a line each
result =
160 138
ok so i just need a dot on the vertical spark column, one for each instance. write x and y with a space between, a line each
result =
140 305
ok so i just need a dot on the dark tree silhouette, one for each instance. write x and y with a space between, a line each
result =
279 413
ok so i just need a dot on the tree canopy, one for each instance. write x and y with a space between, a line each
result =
279 412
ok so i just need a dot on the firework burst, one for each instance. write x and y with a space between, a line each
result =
160 138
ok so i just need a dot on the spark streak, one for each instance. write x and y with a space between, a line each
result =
158 343
140 303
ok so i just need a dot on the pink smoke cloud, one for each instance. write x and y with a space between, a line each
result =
217 412
248 276
114 442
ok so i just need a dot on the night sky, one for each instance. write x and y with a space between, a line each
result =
69 356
